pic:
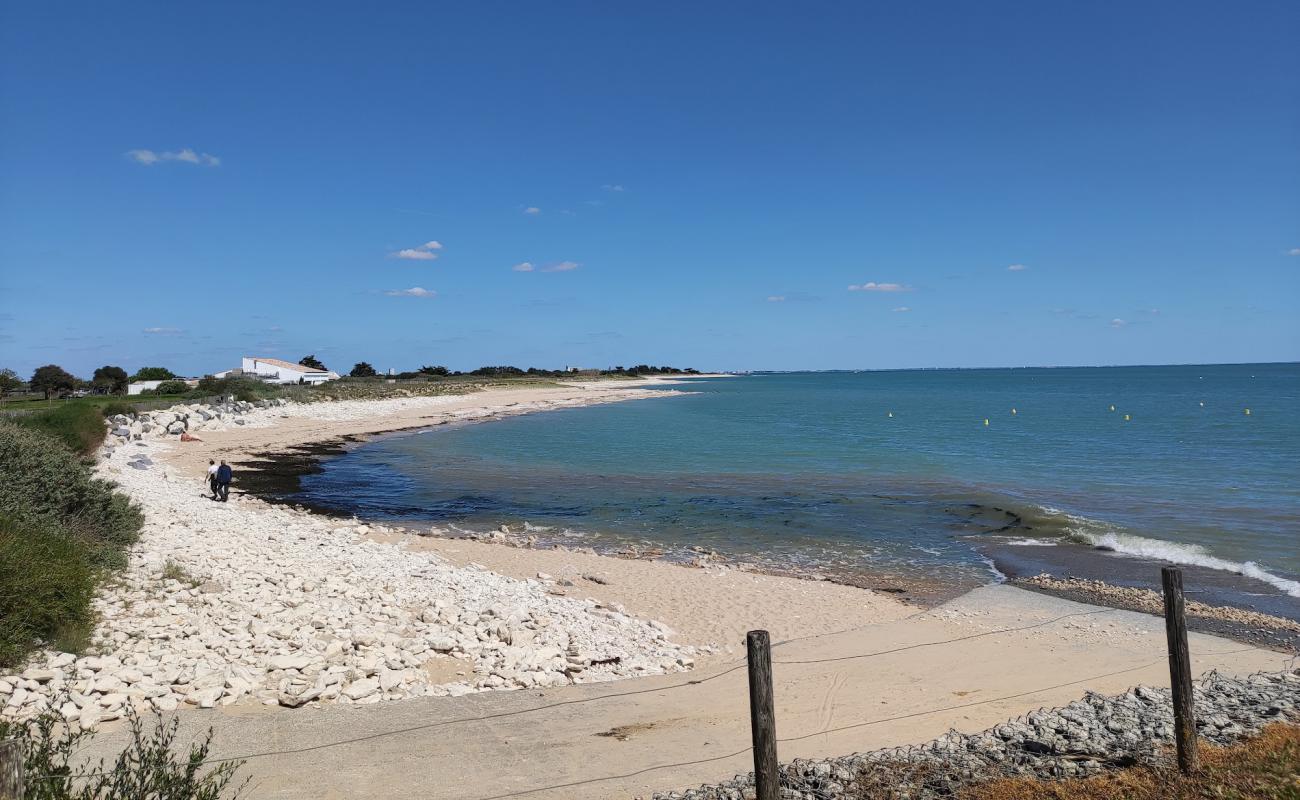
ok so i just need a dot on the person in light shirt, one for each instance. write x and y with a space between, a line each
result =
212 477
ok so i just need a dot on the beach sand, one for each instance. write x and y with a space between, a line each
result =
863 670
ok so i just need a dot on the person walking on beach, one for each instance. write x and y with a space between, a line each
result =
224 476
212 478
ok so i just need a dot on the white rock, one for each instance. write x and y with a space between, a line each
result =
362 688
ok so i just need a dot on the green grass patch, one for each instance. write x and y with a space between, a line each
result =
175 572
80 426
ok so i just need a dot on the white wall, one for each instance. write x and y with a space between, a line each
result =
139 386
278 374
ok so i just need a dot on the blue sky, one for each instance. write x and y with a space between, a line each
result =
696 184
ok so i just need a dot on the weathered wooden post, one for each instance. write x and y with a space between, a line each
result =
11 771
1180 669
762 715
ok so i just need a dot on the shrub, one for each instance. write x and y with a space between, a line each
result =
46 587
151 766
60 530
172 387
116 407
42 483
77 425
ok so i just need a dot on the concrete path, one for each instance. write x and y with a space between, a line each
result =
630 738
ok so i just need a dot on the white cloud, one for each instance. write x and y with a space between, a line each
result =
902 309
1017 268
422 253
532 211
524 266
1294 251
562 266
872 286
160 331
776 298
1118 323
613 187
415 255
150 157
414 291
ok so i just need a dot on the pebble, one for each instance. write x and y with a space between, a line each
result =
284 607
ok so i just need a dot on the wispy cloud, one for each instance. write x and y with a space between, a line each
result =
523 266
613 187
532 211
414 291
1017 268
1118 323
424 252
562 266
162 331
872 286
150 157
776 298
1294 251
902 310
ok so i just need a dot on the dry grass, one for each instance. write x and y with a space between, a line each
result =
1264 767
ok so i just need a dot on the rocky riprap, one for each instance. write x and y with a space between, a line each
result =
244 602
1084 738
177 420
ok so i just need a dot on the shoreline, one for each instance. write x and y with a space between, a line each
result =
347 628
273 474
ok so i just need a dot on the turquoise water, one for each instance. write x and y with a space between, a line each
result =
811 469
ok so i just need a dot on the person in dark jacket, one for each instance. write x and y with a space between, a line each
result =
224 476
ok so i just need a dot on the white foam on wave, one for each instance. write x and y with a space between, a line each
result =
1101 534
1029 543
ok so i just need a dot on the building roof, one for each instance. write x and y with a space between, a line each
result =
275 362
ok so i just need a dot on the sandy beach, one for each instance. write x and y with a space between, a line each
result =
350 685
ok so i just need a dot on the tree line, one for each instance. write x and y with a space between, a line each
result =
52 379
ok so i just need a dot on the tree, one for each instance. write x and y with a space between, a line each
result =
9 381
311 361
362 370
153 374
111 379
433 371
52 378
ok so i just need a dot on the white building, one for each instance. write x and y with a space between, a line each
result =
273 370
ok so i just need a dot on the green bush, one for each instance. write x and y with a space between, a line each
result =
43 484
46 587
79 426
60 530
172 387
115 407
151 766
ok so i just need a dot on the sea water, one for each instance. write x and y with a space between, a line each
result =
901 472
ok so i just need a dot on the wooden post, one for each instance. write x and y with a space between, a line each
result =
11 771
762 716
1180 669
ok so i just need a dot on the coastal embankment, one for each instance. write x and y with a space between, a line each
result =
336 656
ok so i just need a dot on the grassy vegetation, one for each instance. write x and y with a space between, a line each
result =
1264 767
61 531
153 764
175 572
46 585
79 426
